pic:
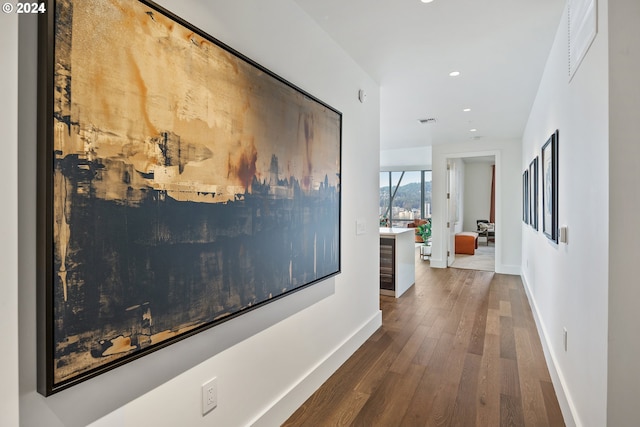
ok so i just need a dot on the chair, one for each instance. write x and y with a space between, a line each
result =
486 229
466 242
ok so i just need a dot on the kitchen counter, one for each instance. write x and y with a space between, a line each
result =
397 260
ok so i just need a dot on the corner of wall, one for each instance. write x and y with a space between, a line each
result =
9 336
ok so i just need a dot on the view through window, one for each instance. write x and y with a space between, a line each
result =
404 196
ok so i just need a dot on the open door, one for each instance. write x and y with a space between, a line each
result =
451 212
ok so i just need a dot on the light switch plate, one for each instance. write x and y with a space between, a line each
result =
563 234
361 227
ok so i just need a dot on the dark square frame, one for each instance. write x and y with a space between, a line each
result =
525 197
533 193
550 187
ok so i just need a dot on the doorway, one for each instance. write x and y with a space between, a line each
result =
471 207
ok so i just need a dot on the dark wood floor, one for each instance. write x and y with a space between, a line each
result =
460 348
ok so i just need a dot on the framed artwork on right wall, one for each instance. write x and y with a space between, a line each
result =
525 197
550 187
533 193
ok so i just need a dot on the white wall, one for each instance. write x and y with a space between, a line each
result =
477 194
624 205
508 199
567 283
9 220
399 159
263 374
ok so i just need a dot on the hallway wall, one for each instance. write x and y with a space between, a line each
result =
567 283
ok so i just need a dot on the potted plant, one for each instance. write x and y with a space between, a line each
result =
424 231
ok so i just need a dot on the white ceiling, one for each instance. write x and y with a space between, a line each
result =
500 48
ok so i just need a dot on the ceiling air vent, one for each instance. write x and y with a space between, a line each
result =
430 120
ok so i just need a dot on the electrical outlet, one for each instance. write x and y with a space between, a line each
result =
564 338
209 395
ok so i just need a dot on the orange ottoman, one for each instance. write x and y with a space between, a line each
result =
466 243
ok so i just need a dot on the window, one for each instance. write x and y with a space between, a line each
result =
404 196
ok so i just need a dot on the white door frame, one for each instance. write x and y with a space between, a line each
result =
442 231
450 213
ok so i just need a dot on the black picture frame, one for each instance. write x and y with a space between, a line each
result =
180 185
550 187
533 193
525 197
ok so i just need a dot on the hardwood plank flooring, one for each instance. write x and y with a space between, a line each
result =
460 348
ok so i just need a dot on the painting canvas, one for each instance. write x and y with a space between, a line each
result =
533 193
181 184
550 188
525 197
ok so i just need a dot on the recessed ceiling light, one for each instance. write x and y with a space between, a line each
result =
473 130
426 1
454 73
466 110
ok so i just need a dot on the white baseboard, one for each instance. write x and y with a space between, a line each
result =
500 268
290 400
514 270
438 263
559 383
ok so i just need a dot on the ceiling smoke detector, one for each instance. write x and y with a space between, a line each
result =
430 120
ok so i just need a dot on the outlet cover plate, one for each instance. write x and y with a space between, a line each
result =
209 395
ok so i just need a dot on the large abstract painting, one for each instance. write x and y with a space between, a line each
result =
181 184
